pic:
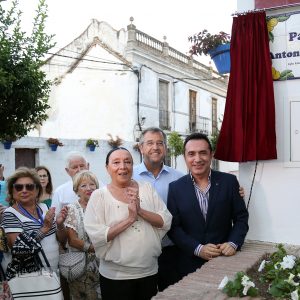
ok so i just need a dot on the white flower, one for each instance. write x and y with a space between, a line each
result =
261 266
247 287
247 284
294 295
291 281
223 283
245 279
288 262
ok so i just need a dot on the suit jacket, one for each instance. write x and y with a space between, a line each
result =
226 220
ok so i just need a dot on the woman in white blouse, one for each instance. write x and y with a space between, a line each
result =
126 221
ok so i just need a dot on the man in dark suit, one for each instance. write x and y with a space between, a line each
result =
209 216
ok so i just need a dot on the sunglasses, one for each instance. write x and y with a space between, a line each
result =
29 187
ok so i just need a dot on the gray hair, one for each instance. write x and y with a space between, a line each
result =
153 130
72 155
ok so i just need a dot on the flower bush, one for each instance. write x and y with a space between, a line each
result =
54 141
278 272
92 142
203 42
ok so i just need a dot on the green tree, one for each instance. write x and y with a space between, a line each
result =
214 140
24 89
175 144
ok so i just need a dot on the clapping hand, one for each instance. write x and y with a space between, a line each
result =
48 221
132 211
133 195
61 217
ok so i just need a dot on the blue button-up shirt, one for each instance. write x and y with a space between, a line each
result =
160 183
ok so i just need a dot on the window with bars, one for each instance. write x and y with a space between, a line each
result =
192 111
164 122
214 116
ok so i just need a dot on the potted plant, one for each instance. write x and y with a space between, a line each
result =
54 143
215 45
114 143
92 144
136 147
7 141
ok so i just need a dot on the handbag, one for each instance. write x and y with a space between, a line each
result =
3 240
5 293
40 285
72 265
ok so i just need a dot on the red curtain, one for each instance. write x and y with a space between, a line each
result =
248 128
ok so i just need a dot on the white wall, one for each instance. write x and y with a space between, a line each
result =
274 205
55 160
83 104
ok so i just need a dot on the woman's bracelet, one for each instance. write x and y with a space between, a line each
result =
40 235
86 246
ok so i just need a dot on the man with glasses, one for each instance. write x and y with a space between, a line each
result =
152 145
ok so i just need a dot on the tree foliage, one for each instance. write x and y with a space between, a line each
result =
24 89
175 144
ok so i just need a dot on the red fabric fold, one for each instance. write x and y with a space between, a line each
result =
248 128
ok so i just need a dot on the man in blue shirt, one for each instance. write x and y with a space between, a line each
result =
152 169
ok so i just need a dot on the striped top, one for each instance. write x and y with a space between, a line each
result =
202 195
15 222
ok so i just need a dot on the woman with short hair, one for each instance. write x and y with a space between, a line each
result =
87 285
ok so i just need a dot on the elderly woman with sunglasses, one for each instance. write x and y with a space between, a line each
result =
30 225
126 221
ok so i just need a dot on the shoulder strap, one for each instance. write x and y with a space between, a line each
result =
45 258
2 274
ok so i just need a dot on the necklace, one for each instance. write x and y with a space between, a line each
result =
29 215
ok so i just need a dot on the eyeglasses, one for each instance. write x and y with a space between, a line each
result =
88 186
151 143
28 186
43 176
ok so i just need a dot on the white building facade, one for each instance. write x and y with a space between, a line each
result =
120 82
274 203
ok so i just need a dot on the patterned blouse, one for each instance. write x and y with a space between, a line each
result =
25 251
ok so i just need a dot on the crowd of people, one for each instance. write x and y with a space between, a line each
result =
141 232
